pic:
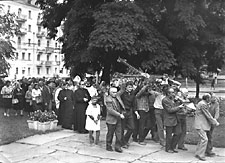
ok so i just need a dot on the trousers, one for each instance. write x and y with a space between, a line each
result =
114 129
183 127
202 144
172 133
127 124
159 123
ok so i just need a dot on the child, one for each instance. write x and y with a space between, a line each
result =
93 120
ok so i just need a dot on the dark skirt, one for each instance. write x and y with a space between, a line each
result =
18 106
7 103
28 107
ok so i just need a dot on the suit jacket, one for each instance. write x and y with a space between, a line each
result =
203 118
114 109
46 94
170 117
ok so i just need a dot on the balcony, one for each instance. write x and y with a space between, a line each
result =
40 50
57 63
39 63
21 18
22 31
39 21
48 63
40 34
50 50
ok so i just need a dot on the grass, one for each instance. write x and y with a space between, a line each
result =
218 133
14 128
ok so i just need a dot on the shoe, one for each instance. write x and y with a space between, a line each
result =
183 148
118 150
210 154
163 144
109 149
142 143
135 140
200 158
175 151
5 114
125 146
16 114
170 151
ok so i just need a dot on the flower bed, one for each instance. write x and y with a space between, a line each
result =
42 121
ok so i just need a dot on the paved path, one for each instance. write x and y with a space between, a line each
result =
66 146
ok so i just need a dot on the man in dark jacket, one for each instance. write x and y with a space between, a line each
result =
170 120
113 119
128 99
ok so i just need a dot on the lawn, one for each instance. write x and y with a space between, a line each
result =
14 128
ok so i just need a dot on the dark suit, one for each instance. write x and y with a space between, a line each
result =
170 121
47 98
113 121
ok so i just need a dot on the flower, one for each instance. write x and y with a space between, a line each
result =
43 116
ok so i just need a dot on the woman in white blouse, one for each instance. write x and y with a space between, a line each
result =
36 98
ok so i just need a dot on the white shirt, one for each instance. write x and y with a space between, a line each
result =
158 101
35 93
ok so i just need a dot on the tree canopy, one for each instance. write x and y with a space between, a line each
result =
8 27
174 36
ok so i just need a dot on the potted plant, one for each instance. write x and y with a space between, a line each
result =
43 121
33 119
53 120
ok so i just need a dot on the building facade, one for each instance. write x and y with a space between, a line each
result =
36 55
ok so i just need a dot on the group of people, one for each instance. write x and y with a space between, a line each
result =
131 110
138 110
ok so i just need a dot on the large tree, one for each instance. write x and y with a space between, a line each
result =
179 36
96 33
8 27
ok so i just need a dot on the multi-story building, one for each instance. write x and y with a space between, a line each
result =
36 55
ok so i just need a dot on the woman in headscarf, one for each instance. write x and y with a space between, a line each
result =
19 97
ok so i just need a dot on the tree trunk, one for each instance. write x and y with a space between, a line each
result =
197 89
106 73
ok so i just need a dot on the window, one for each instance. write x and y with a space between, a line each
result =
29 14
39 16
55 70
56 45
29 28
47 70
19 12
17 55
38 57
38 70
29 41
17 70
23 56
48 56
19 40
9 8
55 57
28 70
29 56
39 42
47 43
39 29
23 71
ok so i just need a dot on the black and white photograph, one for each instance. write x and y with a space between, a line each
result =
112 81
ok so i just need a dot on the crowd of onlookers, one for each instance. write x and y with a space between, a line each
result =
132 109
